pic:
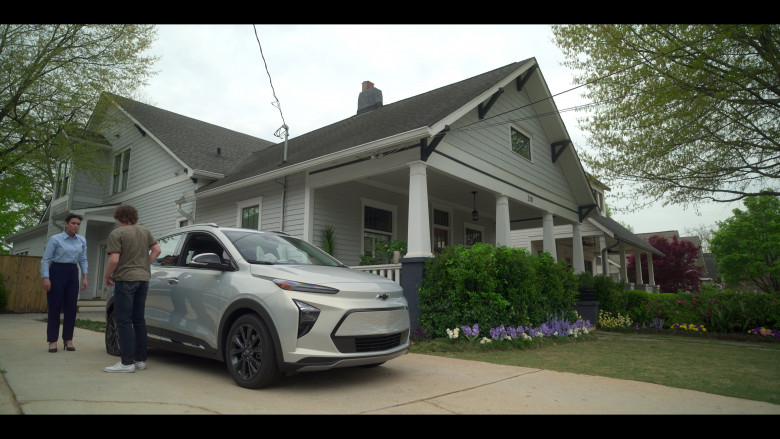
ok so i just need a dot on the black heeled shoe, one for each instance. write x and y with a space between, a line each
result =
52 349
67 348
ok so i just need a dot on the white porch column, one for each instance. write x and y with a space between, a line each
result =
419 242
650 272
548 235
502 220
578 255
623 268
638 267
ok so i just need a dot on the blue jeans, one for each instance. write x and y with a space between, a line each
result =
129 304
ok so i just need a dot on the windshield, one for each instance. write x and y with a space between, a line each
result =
266 248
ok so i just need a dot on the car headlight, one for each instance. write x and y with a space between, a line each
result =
307 316
291 285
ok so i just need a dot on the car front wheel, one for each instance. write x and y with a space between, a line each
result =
251 358
112 336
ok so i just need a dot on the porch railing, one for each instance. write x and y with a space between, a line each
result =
389 271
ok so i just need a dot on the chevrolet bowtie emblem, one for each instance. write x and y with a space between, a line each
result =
382 296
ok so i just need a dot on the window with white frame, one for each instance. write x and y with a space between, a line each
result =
378 228
521 143
121 171
63 179
249 213
441 229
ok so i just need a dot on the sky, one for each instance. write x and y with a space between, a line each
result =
309 76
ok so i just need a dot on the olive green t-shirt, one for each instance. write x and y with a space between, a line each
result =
132 242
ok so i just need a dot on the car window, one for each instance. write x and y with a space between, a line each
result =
169 247
268 248
199 243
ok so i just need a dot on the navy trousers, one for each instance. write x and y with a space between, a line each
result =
62 297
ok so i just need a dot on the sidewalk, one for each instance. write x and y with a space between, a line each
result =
37 382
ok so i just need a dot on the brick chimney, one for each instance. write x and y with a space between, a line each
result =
370 98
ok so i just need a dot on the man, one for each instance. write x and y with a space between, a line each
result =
131 249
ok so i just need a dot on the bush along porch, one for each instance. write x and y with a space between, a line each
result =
486 293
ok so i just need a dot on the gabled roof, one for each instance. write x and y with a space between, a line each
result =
390 120
192 141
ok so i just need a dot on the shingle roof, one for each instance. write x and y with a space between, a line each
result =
624 234
415 112
193 141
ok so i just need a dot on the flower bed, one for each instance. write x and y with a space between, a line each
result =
553 327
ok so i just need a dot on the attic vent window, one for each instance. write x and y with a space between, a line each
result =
521 144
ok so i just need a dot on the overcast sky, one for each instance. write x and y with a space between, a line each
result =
217 74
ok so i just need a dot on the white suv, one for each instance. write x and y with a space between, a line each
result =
267 304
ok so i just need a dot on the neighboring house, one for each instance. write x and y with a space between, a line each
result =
603 239
704 261
463 163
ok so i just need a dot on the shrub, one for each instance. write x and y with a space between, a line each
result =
492 286
608 293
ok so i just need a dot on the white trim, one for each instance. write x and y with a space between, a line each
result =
312 164
240 205
179 219
379 205
449 228
530 142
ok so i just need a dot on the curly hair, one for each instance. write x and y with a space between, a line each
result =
126 214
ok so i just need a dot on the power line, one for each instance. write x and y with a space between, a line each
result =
276 103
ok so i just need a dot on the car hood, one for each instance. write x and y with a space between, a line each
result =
335 277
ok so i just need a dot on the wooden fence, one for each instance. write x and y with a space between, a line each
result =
22 278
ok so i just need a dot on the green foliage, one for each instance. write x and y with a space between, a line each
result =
585 281
608 293
329 240
747 245
383 253
684 113
494 286
719 311
52 78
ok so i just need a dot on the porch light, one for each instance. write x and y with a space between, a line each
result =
474 213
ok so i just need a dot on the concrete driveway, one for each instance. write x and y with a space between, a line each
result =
35 381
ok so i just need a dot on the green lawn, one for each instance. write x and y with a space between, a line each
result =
742 369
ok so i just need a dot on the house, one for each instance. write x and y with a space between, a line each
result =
705 262
605 243
471 161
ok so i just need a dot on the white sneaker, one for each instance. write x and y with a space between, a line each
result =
140 365
119 367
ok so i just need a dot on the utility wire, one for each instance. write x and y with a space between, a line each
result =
276 103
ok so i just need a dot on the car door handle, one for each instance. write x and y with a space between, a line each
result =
173 281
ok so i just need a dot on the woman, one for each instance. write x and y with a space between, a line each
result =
64 253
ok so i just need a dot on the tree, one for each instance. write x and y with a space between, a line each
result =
677 270
681 114
747 245
52 77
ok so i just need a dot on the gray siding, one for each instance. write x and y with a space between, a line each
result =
490 141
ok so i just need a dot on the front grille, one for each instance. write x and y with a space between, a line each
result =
372 343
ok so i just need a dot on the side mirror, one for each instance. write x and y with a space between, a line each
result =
209 260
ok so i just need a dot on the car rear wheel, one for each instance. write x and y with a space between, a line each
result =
112 336
251 358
